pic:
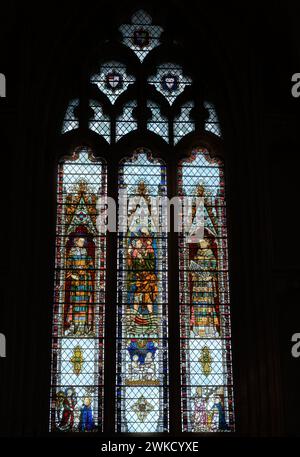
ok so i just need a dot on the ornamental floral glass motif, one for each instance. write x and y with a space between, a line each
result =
78 315
142 370
207 390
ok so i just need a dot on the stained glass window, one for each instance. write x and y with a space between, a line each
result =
141 36
112 79
158 123
71 116
126 121
100 122
78 314
170 81
142 369
157 99
212 124
206 370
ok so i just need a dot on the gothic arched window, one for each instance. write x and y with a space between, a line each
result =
141 298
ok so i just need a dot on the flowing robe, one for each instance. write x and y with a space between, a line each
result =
200 415
86 422
143 289
204 316
80 286
67 420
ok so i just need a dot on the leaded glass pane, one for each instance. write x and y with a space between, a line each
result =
158 123
142 366
71 117
112 79
126 122
207 385
142 372
100 122
183 124
141 36
212 124
78 313
170 81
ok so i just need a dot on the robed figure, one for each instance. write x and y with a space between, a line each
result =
142 284
66 406
86 421
205 319
79 306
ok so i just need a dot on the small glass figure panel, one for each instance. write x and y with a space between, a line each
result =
78 312
142 359
112 79
206 376
141 36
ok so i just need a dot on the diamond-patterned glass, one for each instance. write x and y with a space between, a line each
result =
79 294
71 117
100 122
206 368
158 123
142 359
126 122
183 124
142 370
212 124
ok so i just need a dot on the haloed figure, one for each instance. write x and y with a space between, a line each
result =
142 284
218 421
79 319
204 310
68 401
